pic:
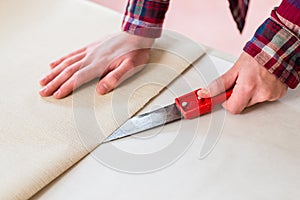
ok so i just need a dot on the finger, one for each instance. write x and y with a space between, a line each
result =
219 85
239 99
79 78
57 62
57 70
54 85
126 69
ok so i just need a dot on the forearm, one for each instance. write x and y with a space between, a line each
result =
276 43
145 17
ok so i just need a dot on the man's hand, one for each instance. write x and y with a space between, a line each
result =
113 60
252 84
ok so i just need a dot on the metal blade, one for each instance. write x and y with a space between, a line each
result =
146 121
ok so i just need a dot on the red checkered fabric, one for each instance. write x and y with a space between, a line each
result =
275 44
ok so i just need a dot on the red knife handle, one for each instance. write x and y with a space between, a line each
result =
191 106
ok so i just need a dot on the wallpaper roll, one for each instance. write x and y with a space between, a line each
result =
40 138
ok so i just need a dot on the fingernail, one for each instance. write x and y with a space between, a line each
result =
204 91
102 89
52 64
57 94
43 91
42 80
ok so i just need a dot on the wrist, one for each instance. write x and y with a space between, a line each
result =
139 41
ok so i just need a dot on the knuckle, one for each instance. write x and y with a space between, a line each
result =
116 77
68 61
76 76
267 95
69 71
247 89
270 95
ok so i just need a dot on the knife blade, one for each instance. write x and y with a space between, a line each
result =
187 106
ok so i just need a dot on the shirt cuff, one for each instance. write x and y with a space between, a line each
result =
278 50
145 17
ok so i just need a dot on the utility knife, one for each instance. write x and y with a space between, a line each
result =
187 106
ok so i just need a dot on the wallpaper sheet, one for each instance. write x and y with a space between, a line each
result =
40 138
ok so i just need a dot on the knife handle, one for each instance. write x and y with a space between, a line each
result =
191 106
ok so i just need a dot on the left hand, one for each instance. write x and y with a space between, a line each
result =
113 60
252 82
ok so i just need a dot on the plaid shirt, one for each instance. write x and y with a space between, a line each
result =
275 45
145 17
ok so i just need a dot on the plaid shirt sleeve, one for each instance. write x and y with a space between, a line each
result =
145 17
239 11
276 43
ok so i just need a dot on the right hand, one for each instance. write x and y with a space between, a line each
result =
113 60
252 83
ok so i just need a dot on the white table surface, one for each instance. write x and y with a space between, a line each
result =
256 157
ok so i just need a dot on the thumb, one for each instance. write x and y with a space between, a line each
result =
116 76
219 85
